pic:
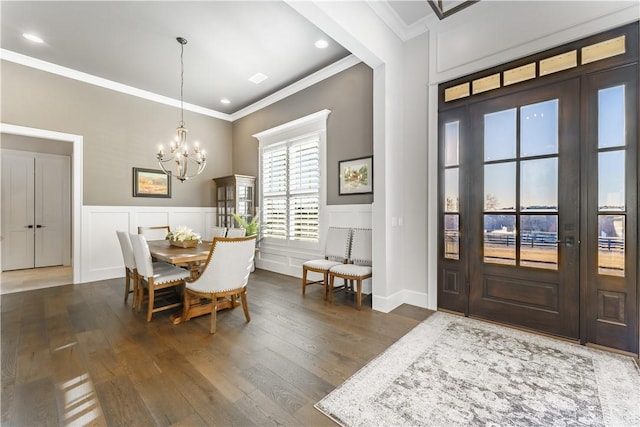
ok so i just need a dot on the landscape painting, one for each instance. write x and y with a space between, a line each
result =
151 183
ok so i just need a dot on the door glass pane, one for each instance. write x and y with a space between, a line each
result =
500 187
611 244
499 239
539 129
452 236
451 190
611 130
451 143
538 241
611 173
539 184
500 135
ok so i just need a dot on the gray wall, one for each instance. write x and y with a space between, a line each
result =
120 131
349 96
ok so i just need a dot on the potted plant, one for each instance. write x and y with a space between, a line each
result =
251 227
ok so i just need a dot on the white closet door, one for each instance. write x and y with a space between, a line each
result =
51 210
18 224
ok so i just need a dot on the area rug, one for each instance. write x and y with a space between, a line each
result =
455 371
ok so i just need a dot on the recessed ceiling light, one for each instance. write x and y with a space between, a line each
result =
225 101
32 37
258 78
321 44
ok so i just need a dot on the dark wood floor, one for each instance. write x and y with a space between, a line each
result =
79 355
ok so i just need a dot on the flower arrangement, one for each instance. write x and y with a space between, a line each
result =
184 237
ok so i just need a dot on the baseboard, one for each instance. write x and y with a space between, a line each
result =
387 304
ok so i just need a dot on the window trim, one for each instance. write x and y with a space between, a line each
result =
315 123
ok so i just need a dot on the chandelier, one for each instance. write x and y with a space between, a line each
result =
179 151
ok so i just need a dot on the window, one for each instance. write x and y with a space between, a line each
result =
292 194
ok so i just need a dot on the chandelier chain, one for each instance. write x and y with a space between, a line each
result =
181 84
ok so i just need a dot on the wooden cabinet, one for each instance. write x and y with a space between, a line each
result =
235 194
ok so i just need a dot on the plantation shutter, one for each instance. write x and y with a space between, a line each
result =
304 187
274 191
291 189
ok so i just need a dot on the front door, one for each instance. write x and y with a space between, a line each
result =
525 209
538 192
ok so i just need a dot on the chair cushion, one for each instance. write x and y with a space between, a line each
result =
351 270
169 273
321 264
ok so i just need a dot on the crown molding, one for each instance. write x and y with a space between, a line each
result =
328 71
318 76
49 67
390 17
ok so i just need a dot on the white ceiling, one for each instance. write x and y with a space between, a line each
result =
134 43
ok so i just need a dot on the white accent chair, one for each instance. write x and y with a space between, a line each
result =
336 252
129 267
225 274
155 276
236 232
218 232
359 267
154 233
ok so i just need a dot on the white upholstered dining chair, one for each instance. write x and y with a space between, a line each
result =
158 232
236 232
218 232
336 252
154 276
130 274
225 274
359 267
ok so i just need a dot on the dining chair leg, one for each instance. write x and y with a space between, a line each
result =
150 302
134 300
245 308
359 294
325 284
330 286
214 310
127 278
304 280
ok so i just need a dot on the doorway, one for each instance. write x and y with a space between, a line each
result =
36 209
539 193
76 142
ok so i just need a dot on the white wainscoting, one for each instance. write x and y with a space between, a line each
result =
283 260
102 257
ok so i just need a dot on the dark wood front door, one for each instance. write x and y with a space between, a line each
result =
538 192
610 212
524 223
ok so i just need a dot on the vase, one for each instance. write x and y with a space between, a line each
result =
184 243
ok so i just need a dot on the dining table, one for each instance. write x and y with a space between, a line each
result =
191 258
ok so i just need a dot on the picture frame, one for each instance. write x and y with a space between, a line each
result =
151 183
355 176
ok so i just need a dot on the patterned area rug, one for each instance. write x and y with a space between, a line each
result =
453 371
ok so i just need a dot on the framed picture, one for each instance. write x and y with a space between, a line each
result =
151 183
356 176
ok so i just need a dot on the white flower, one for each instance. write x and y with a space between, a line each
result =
183 233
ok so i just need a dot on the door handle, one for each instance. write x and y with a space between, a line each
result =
40 226
28 226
